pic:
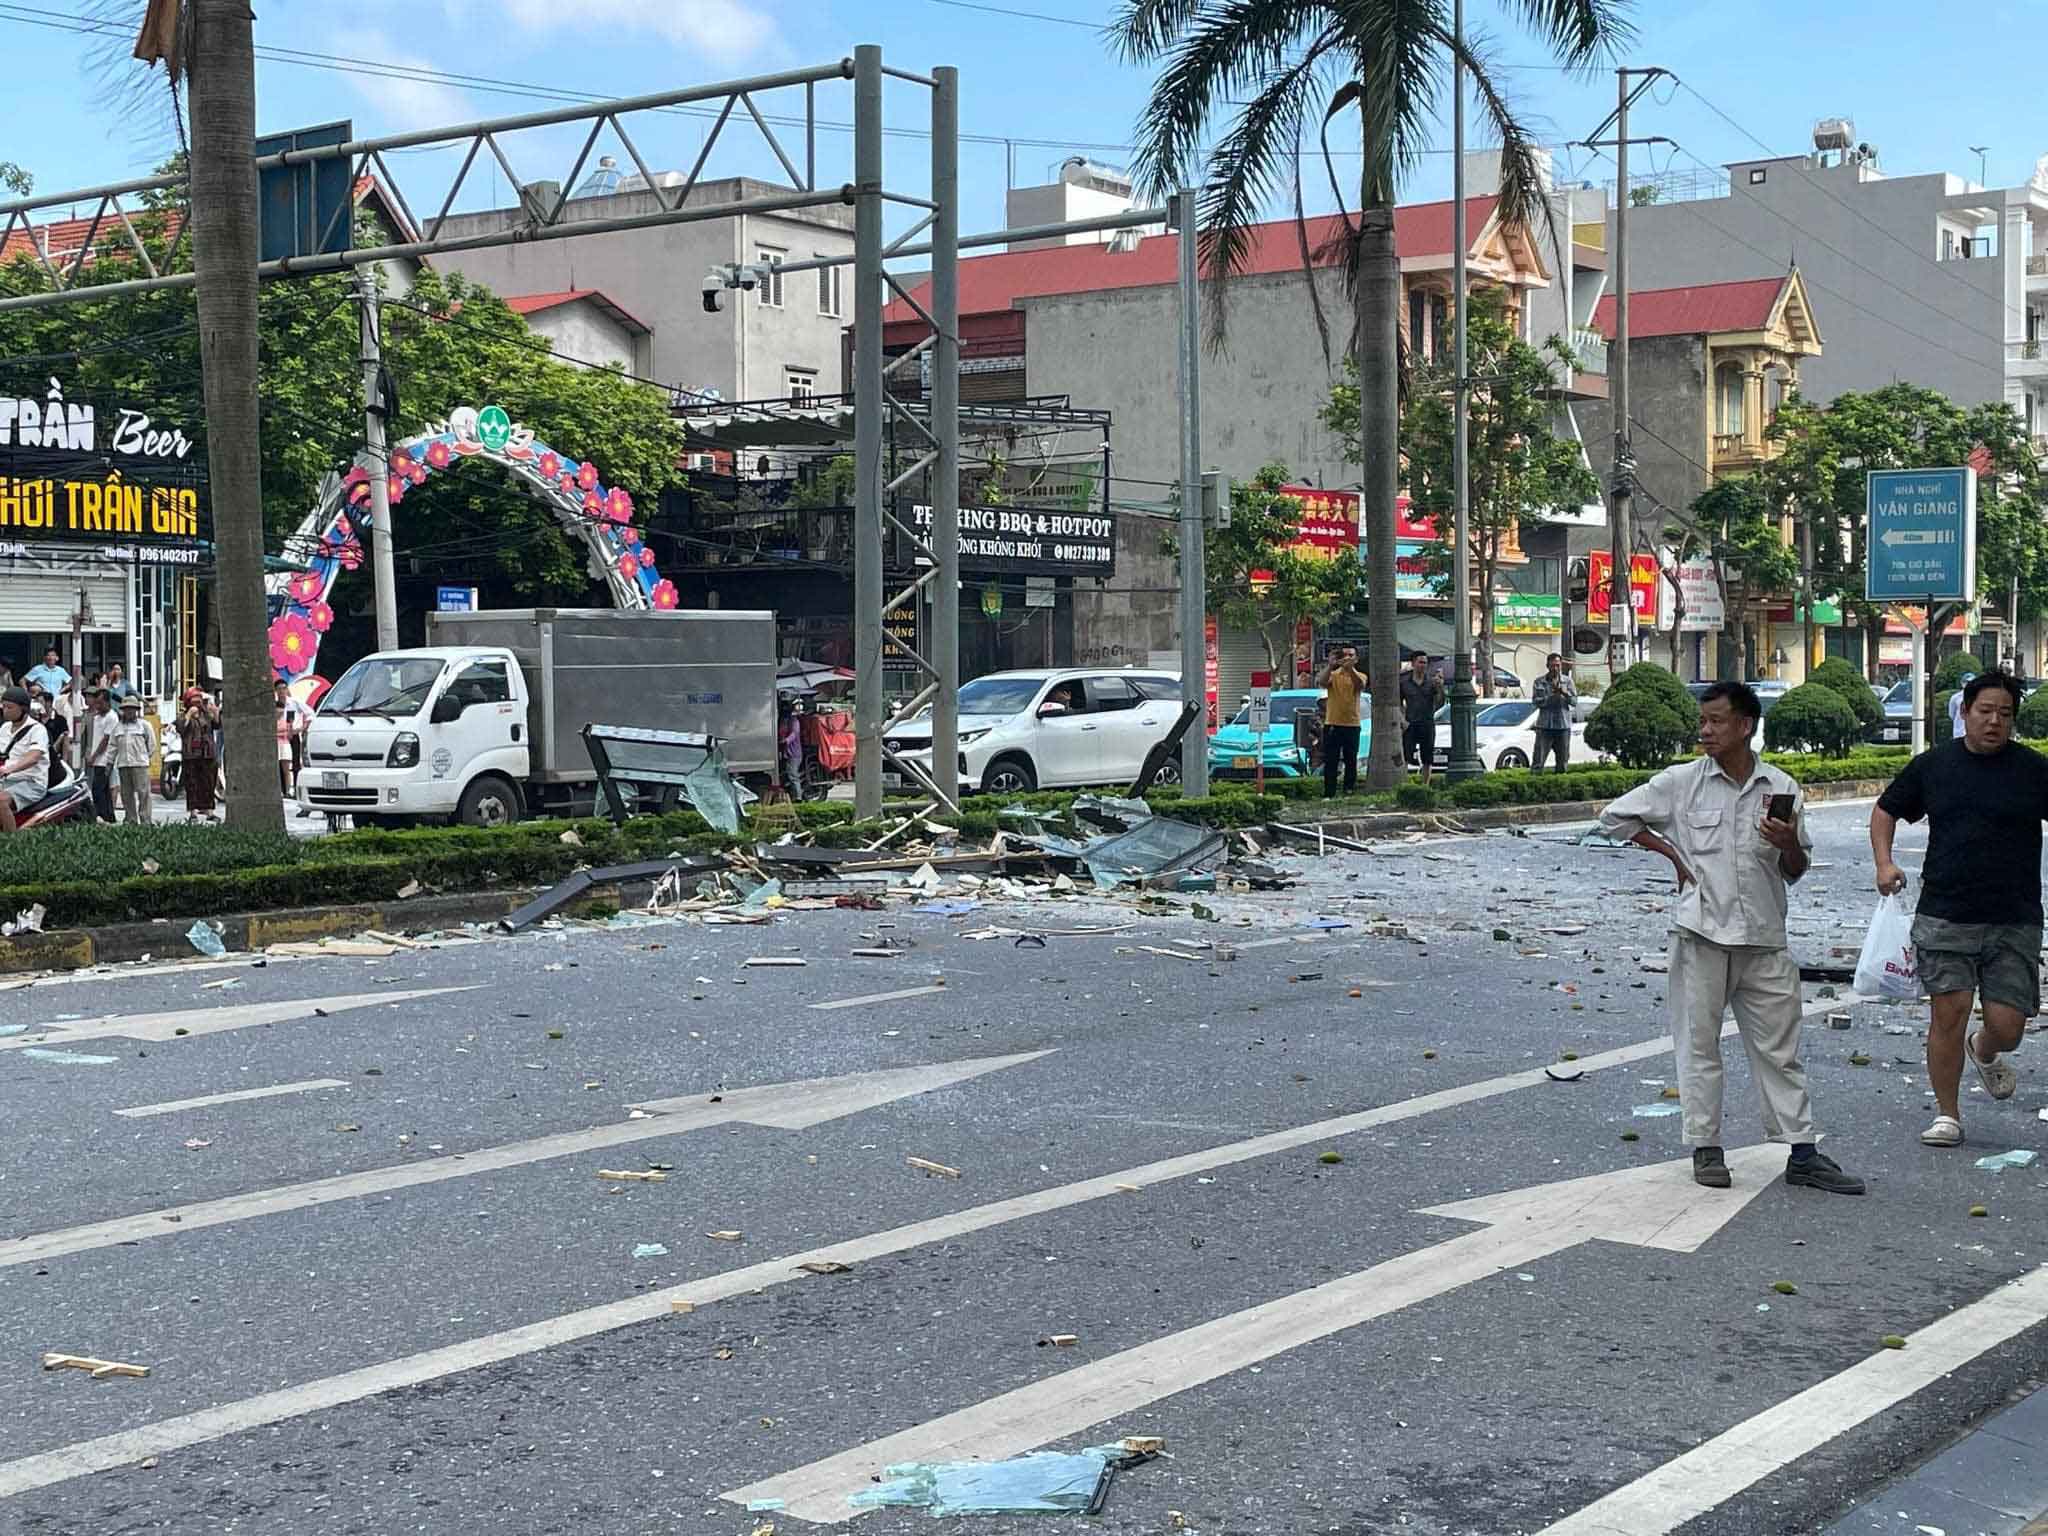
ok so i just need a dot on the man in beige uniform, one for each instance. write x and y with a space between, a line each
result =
1711 817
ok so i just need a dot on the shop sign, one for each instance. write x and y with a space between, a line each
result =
1528 613
1642 585
89 472
1030 541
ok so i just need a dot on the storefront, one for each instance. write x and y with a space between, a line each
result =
103 534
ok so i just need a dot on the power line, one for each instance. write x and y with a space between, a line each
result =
998 10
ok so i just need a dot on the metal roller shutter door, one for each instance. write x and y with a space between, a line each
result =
1239 653
39 601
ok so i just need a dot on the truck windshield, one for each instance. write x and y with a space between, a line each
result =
999 695
385 685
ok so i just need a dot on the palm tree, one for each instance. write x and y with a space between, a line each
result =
222 84
1287 64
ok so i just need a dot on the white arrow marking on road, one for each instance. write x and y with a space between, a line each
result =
1653 1207
785 1106
1708 1476
211 1021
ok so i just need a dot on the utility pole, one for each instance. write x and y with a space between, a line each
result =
383 573
1194 585
867 433
1465 762
224 252
1621 505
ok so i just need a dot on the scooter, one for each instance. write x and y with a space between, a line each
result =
172 748
69 801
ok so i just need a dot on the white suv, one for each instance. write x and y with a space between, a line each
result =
1038 730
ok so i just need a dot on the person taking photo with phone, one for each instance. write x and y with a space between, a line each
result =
1732 827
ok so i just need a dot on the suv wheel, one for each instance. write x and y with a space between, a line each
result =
1009 776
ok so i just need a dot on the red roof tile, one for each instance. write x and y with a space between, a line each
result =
997 282
1702 310
62 238
535 303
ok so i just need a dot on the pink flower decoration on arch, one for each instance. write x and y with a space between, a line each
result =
320 616
592 507
619 506
549 465
664 593
629 567
394 488
292 644
566 483
439 454
646 558
416 475
305 588
356 485
586 475
629 535
401 462
342 546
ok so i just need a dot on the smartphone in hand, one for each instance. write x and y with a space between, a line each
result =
1780 808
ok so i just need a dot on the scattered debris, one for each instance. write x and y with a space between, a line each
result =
2023 1158
197 1143
1332 1158
1060 1340
1564 1072
150 866
682 1306
650 1250
1043 1482
825 1267
572 838
66 1058
938 1169
1980 1210
1892 1341
1785 1288
775 960
28 920
632 1175
726 1237
205 938
1654 1111
410 889
99 1370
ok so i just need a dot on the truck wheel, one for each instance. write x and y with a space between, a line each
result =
488 802
1009 776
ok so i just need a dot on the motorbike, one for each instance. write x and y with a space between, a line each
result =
172 748
69 801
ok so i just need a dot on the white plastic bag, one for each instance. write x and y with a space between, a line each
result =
1887 967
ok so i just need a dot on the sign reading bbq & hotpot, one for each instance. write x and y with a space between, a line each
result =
1033 541
103 476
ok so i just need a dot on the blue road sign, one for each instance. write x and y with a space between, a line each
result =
305 209
455 599
1923 535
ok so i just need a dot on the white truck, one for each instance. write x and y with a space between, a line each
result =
484 725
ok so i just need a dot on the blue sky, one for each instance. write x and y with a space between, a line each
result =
1921 88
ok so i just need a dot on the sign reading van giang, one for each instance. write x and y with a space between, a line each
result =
103 475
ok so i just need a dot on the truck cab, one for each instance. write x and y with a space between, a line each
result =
437 732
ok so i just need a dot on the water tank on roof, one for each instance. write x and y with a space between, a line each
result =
1834 133
1079 170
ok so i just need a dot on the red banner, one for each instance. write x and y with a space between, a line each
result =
1642 586
1328 519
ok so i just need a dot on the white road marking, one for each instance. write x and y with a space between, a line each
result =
310 1085
879 997
128 1446
787 1106
1709 1475
1658 1206
187 1022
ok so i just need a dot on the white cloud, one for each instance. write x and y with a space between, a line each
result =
725 31
405 104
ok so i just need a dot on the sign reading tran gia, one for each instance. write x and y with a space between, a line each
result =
1922 535
1029 539
86 473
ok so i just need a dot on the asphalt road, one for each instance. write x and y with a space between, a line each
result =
403 1300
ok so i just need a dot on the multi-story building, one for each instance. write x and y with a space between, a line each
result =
590 326
780 341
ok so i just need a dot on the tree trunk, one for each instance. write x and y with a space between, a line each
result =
223 129
1378 355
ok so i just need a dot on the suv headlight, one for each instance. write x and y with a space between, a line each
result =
405 751
967 736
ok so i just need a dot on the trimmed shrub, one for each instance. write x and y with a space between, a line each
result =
1845 680
1948 672
1646 718
1416 797
1813 716
2033 716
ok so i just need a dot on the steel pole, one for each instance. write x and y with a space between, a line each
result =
945 429
867 430
1465 762
1194 651
383 573
1621 507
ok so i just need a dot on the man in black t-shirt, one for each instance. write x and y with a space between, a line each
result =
1979 924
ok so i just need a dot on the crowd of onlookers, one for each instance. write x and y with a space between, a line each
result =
100 728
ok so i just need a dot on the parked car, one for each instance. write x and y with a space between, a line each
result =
1046 729
1234 752
1505 733
1897 725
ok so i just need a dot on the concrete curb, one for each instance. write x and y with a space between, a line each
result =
74 949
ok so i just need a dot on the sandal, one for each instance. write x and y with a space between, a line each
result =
1947 1131
1997 1075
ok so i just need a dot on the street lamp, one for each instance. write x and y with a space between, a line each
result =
1464 762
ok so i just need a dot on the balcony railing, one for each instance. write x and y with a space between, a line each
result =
1730 445
1589 349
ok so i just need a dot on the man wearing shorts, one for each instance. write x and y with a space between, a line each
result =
1979 925
24 757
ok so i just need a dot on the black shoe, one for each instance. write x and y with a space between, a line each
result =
1822 1172
1710 1168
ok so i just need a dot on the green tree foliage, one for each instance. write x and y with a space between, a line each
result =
1518 473
1812 718
1734 523
1257 581
16 180
447 342
1950 671
2033 715
1645 719
1847 681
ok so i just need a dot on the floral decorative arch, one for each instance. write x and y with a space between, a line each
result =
332 535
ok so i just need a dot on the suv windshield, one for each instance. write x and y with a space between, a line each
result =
999 695
384 685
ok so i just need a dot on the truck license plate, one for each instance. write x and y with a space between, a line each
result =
334 781
1244 762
